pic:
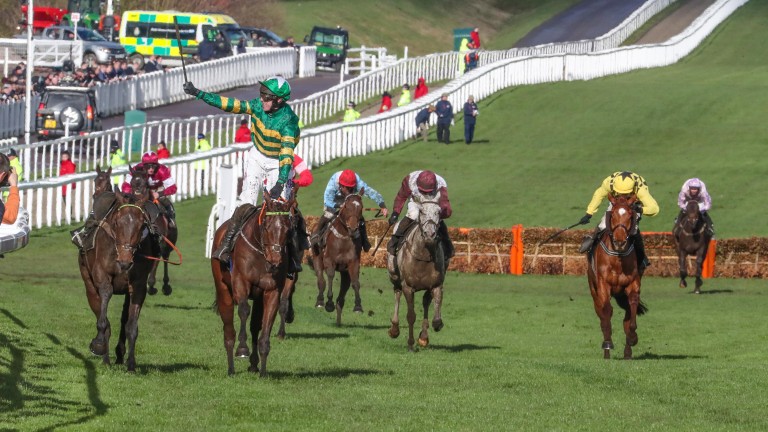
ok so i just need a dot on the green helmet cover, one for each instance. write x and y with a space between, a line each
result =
278 86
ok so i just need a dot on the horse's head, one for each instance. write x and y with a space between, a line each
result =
275 223
621 221
139 184
351 212
127 224
692 212
103 182
429 220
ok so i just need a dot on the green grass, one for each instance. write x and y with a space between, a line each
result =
517 353
541 150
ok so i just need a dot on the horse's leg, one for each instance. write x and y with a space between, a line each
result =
681 256
630 319
167 289
91 293
394 330
285 300
344 287
256 325
437 298
100 344
120 348
226 312
411 315
318 267
426 300
242 337
271 301
330 272
132 326
151 280
701 254
602 301
354 275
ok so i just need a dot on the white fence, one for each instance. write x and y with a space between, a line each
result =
365 59
48 53
320 145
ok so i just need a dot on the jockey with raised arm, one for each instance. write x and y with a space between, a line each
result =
616 184
695 189
420 186
160 181
275 134
339 186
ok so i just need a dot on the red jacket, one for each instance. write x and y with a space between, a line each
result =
243 135
421 89
162 177
475 38
386 103
302 175
408 188
67 167
163 153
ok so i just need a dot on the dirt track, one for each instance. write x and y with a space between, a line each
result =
676 22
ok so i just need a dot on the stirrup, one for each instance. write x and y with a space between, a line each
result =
222 254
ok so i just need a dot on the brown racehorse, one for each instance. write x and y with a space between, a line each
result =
257 271
613 272
692 236
115 266
422 267
171 233
103 181
342 254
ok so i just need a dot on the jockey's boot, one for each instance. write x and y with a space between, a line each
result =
170 212
223 253
295 255
301 231
710 224
316 239
81 235
397 236
364 236
448 250
642 259
589 240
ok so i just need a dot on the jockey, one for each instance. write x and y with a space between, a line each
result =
420 186
161 184
695 189
616 184
339 186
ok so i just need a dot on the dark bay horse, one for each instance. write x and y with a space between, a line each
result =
170 232
613 272
103 181
115 266
422 267
257 271
342 254
692 236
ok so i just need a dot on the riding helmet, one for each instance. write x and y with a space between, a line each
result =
149 157
426 182
348 178
277 86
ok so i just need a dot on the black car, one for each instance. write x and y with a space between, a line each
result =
258 37
67 110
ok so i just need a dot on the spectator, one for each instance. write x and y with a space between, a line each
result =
256 40
66 166
350 114
444 119
152 65
471 58
386 102
162 151
405 96
222 47
462 52
241 46
16 164
117 159
243 134
206 50
9 209
422 121
475 35
288 42
421 89
202 165
470 118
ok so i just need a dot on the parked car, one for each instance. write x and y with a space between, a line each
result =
96 49
266 38
332 45
65 110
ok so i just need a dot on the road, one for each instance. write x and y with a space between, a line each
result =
676 22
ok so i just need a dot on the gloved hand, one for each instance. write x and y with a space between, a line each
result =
638 206
393 218
585 219
276 190
190 89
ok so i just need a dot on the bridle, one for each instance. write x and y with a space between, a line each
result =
343 221
111 233
612 229
424 223
260 245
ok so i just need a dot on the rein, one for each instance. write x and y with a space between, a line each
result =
262 214
173 246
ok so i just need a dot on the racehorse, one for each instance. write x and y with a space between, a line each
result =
612 271
422 265
342 254
103 181
115 265
692 236
258 269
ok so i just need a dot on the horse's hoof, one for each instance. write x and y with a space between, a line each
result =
281 336
437 325
98 348
242 352
253 369
607 354
607 345
358 309
423 342
697 291
330 307
167 290
152 290
319 304
683 284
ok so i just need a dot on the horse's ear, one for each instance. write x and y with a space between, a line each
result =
98 169
130 170
109 171
362 191
632 199
611 198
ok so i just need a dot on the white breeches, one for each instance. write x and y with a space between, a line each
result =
260 174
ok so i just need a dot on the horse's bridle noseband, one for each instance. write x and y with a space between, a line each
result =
125 246
350 230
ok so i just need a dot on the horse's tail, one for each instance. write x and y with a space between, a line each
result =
623 302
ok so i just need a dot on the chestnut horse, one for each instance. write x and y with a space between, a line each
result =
342 254
257 271
113 266
613 272
422 267
692 235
